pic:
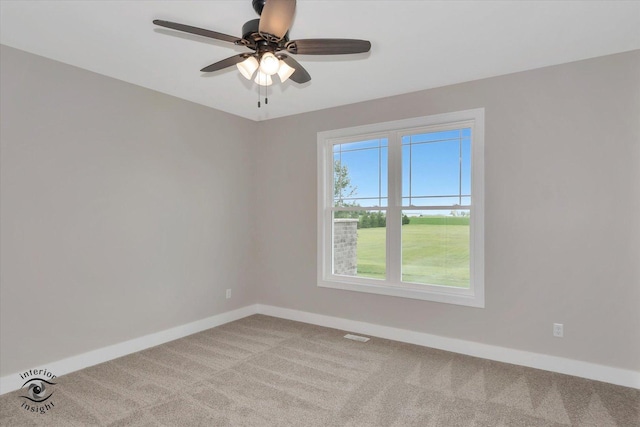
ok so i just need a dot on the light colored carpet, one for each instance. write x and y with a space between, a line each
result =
264 371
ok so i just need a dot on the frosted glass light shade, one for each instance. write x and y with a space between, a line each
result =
248 67
263 79
269 64
284 72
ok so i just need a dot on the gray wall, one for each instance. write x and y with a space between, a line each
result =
562 212
123 211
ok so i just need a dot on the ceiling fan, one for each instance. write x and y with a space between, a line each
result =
268 37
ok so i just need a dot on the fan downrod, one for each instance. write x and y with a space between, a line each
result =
258 5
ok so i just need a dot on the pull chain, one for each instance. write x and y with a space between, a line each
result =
266 95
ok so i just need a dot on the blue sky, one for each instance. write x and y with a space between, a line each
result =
431 167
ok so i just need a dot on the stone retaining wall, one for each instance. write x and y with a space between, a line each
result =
345 246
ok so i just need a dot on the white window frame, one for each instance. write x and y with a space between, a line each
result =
474 295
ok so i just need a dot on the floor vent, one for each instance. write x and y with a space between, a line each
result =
356 338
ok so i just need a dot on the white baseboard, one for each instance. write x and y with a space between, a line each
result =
61 367
561 365
545 362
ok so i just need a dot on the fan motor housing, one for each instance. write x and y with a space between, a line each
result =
250 28
250 31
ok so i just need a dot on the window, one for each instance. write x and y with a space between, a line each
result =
400 208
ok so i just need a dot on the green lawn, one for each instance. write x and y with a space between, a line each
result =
432 253
371 252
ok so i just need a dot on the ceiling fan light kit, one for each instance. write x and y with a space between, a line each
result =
263 79
268 37
269 64
284 72
248 67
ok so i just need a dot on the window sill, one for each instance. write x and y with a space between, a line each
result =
429 293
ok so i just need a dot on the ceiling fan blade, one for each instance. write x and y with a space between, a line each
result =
300 75
328 46
276 19
196 30
225 63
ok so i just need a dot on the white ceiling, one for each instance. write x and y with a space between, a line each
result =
415 44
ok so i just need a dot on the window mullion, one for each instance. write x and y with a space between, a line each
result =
394 213
327 210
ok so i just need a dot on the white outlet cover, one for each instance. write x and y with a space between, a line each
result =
558 330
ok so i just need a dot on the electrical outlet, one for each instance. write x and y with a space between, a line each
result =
228 293
558 330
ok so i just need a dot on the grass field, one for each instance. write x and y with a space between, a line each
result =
432 252
439 220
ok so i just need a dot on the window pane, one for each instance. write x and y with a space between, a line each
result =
359 244
435 169
435 247
360 173
436 164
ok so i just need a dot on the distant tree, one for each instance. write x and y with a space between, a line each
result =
365 220
375 219
372 220
405 220
342 188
